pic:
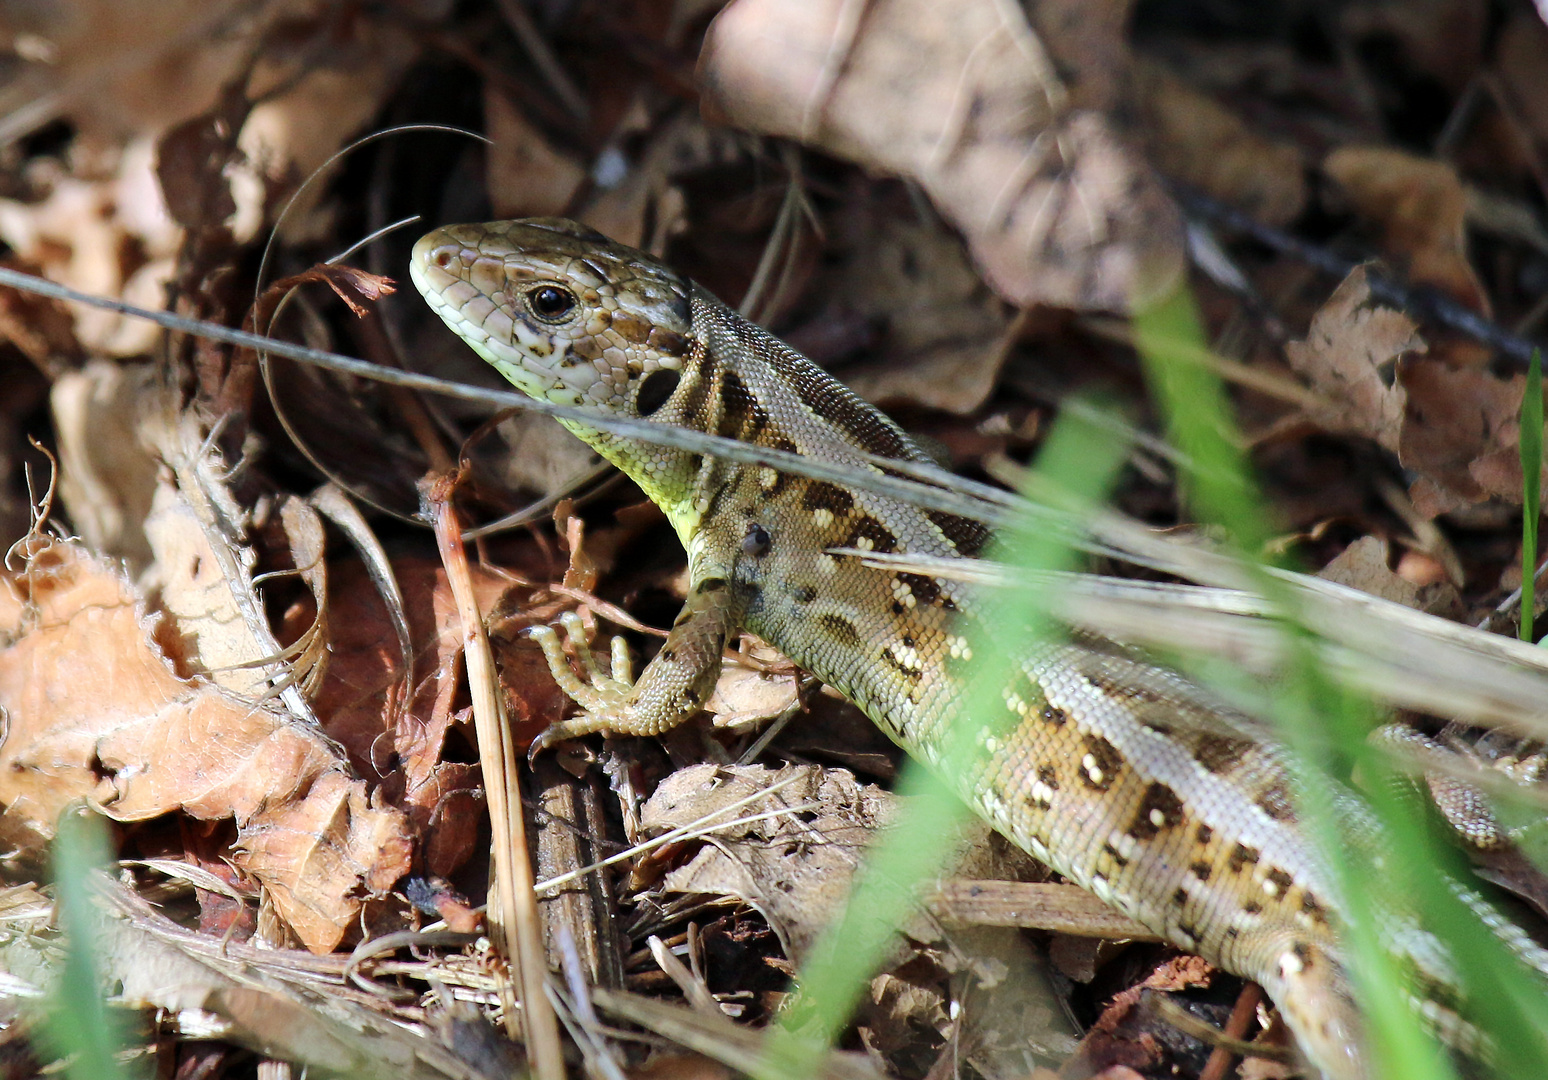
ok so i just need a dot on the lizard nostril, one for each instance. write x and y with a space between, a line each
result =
442 259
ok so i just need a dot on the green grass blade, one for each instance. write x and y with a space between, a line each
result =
1531 487
1317 720
78 1024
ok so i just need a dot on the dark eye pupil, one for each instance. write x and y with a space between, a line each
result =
550 302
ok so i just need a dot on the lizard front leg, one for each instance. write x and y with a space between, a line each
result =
673 686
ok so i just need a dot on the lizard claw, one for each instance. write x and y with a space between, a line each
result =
603 699
539 744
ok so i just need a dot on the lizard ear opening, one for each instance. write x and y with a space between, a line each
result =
655 389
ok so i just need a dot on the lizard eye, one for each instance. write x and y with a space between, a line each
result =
550 302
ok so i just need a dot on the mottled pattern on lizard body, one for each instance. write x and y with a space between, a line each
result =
1124 777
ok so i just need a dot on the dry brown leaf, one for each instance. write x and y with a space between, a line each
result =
271 1001
441 798
95 711
41 328
1263 1068
107 474
524 174
795 868
359 289
1196 139
306 542
1461 435
1363 565
1421 207
211 636
758 685
745 695
109 237
118 66
898 1011
192 160
942 341
307 110
1456 428
1127 1036
1349 357
667 1065
1009 1010
204 559
1056 209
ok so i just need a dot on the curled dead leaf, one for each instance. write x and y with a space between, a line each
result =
1350 356
1456 428
96 712
1055 207
1421 207
1196 139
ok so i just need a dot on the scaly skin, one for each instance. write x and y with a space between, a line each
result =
1122 776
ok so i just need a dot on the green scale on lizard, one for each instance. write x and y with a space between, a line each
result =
1124 777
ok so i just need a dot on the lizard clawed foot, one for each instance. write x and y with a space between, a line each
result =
605 698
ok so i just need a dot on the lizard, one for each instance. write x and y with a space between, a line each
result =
1124 777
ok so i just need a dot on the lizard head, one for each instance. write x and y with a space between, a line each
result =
561 311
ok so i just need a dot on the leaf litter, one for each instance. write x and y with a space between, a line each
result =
932 202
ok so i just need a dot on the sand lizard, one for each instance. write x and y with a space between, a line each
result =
1121 775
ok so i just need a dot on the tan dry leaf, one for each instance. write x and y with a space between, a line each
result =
1456 428
744 695
1196 139
307 541
118 67
442 799
1461 435
796 868
1363 565
306 111
204 559
1421 207
524 174
271 1001
898 1010
1055 207
668 1065
107 475
110 237
1127 1035
95 711
943 328
1352 340
206 587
